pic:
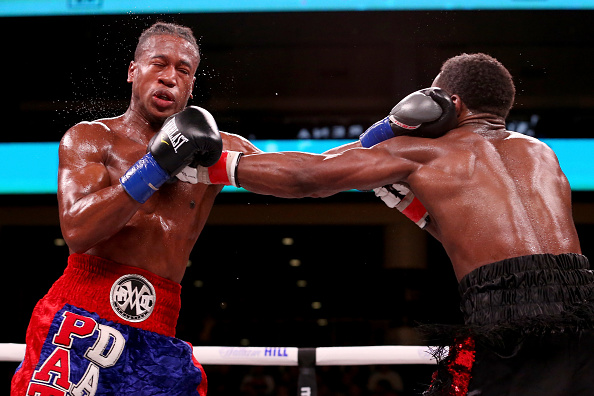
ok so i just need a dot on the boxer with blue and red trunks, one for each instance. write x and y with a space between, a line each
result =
107 328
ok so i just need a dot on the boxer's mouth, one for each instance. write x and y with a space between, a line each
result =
164 95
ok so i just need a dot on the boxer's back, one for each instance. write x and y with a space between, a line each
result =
494 194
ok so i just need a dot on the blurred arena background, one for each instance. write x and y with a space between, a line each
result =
340 271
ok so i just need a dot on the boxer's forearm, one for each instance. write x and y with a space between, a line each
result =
285 175
96 217
288 174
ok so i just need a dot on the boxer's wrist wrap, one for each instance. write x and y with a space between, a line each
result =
377 133
235 167
144 178
223 172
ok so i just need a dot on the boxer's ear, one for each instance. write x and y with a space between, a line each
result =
131 71
460 106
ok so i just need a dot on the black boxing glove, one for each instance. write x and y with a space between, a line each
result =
428 113
188 137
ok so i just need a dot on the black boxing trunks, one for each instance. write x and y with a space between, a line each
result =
107 329
529 330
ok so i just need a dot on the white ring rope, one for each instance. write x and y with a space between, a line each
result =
12 352
275 356
369 355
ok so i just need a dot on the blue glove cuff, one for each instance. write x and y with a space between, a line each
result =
144 178
377 133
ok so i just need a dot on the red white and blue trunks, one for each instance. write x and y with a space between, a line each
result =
107 329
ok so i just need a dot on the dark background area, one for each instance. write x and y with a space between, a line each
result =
266 75
262 262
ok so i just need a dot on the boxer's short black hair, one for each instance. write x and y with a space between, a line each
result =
167 28
481 81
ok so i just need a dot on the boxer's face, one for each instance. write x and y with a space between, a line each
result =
163 75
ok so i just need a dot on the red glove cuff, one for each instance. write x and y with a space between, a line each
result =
224 171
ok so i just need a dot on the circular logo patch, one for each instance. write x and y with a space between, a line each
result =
132 298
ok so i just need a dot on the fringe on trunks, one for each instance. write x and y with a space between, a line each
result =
504 303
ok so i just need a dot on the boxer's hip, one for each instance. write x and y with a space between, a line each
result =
120 293
537 290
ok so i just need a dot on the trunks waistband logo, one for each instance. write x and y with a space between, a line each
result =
132 298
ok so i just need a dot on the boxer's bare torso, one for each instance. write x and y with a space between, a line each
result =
99 218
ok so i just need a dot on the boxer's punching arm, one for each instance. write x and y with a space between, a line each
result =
224 171
90 208
297 175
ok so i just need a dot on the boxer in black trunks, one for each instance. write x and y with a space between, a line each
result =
500 205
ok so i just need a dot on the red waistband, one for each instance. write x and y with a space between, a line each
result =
89 282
